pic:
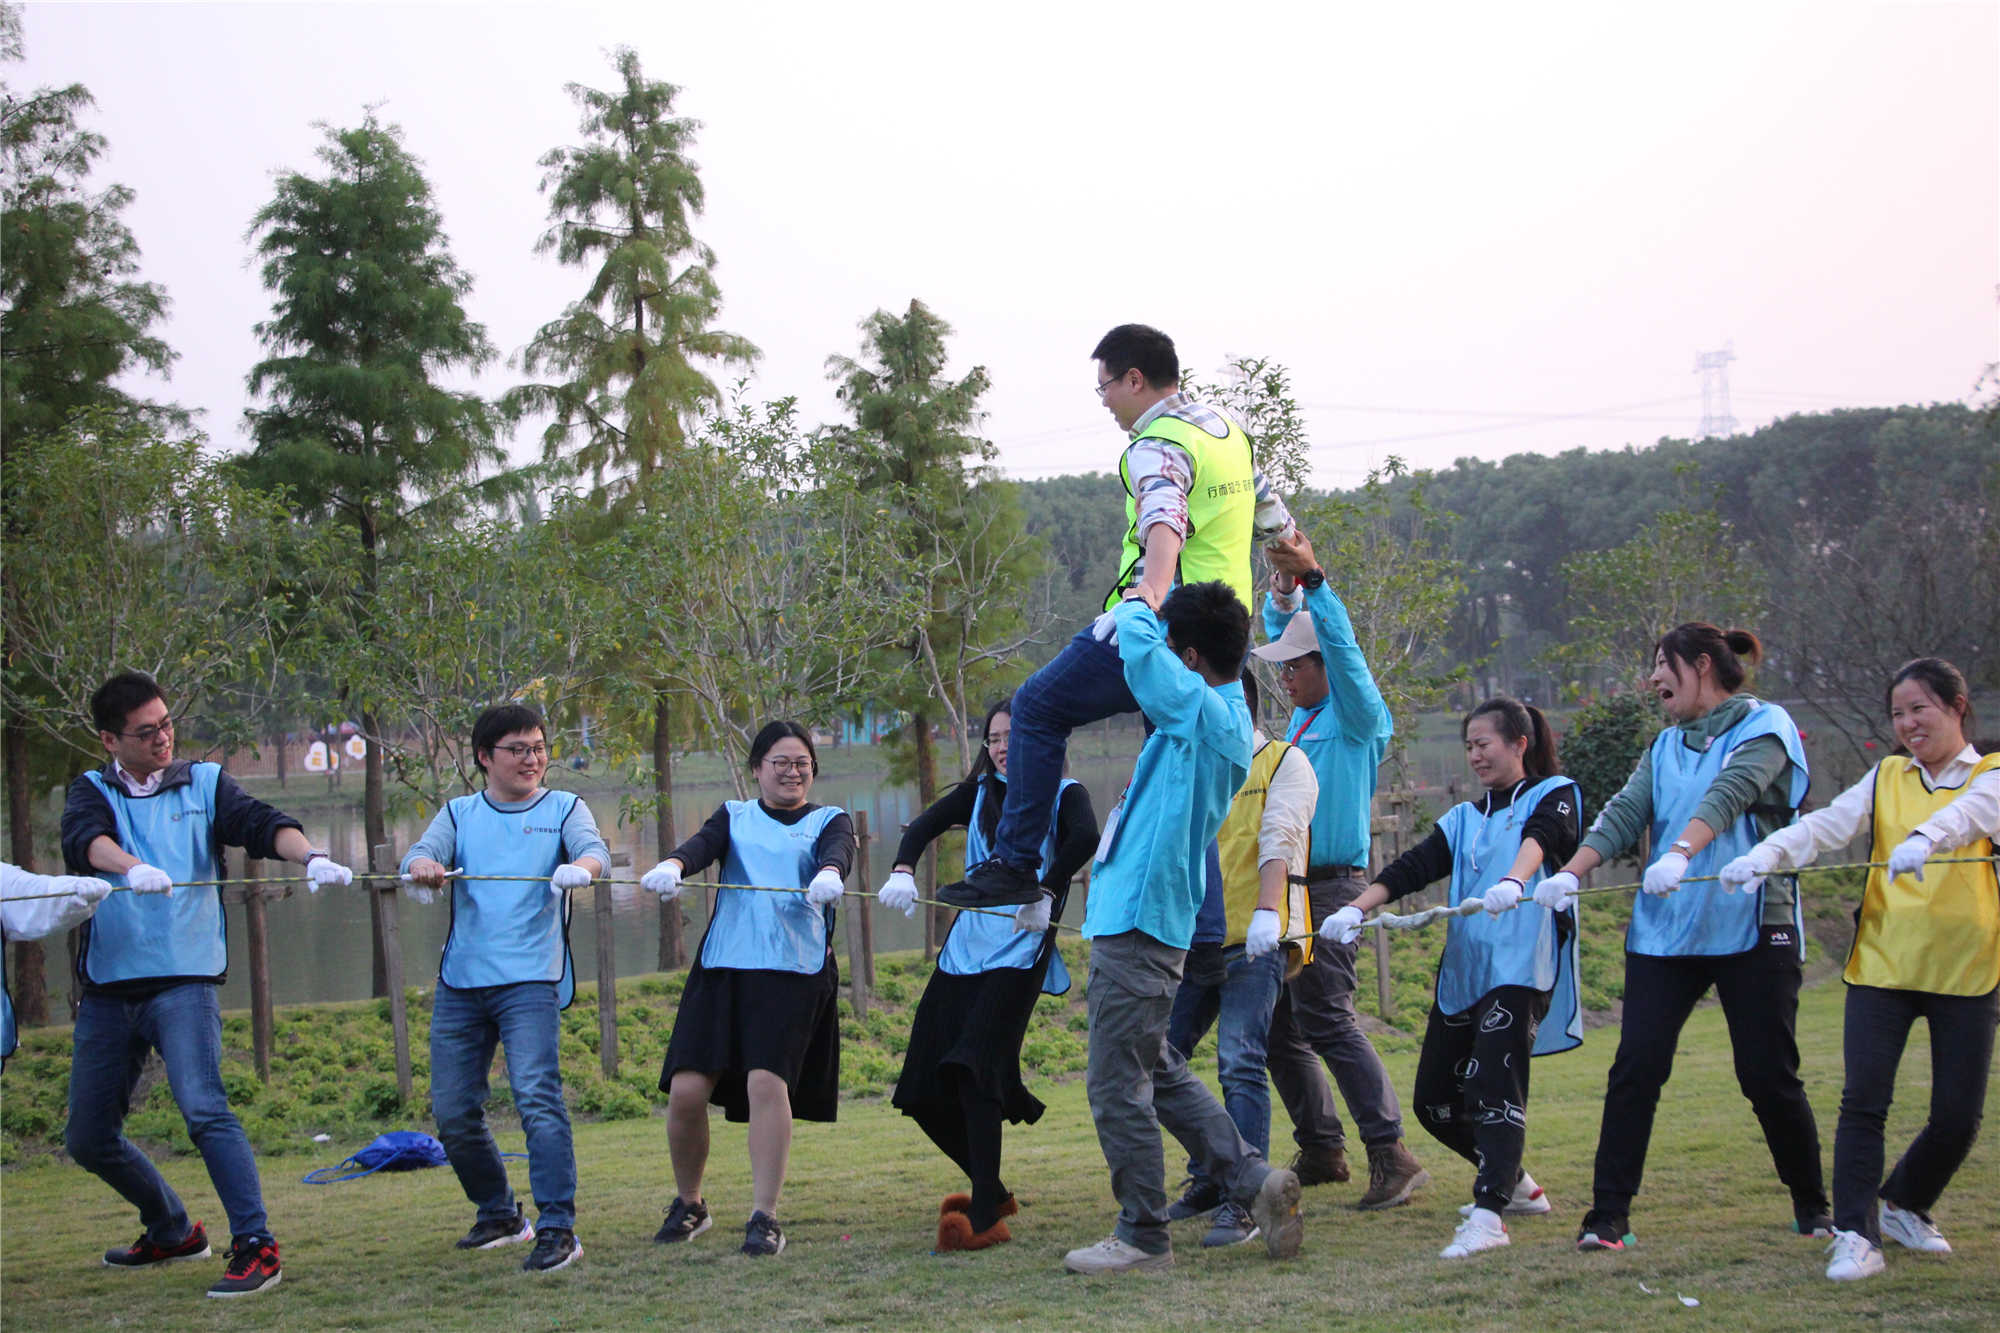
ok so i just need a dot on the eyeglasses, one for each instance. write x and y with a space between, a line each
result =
1293 667
539 750
146 734
1104 385
994 738
790 765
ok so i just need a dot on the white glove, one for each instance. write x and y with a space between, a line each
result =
322 871
825 888
87 891
900 893
1747 871
1664 875
1557 892
1263 936
1503 897
1909 857
567 877
1343 927
663 879
1034 916
419 893
1104 629
143 878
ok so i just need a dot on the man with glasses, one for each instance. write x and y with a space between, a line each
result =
1194 504
506 976
149 966
1340 721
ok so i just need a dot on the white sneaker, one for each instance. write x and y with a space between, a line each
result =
1912 1231
1483 1230
1854 1257
1112 1255
1528 1199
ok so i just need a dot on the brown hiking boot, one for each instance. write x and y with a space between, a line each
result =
1393 1176
1321 1166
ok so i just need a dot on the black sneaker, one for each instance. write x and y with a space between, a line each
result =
762 1235
1200 1196
555 1247
1814 1222
684 1221
253 1267
993 883
143 1253
492 1233
1604 1231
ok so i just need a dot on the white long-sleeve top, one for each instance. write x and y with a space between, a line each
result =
36 917
1286 833
1973 814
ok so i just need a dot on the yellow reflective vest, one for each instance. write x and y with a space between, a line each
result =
1222 507
1237 845
1939 934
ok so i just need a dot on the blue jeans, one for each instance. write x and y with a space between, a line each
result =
1084 684
1228 986
465 1027
184 1024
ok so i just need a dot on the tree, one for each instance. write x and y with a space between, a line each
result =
628 356
367 319
73 318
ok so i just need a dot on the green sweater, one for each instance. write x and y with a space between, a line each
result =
1752 780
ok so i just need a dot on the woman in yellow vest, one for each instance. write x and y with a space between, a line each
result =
1926 945
1507 985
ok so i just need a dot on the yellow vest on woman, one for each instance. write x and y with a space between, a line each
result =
1940 934
1237 846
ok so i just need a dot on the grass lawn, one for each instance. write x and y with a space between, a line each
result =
859 1213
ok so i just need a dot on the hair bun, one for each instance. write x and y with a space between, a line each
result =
1745 645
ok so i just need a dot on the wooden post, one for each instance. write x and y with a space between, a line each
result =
607 978
866 916
929 885
857 966
382 888
259 940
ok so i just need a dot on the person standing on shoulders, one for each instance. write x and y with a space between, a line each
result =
151 962
506 976
1727 771
1339 720
1926 945
1194 504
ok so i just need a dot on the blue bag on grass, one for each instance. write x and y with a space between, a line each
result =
398 1150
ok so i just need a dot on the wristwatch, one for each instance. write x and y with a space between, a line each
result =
1311 579
1683 846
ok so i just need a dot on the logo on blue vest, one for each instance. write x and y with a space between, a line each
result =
530 828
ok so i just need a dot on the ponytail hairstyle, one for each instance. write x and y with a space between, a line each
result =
1517 721
1943 680
1731 652
983 763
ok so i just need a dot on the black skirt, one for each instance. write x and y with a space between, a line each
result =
733 1020
971 1027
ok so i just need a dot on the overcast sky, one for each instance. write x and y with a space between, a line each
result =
1468 230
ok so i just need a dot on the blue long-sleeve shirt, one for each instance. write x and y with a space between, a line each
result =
1187 773
1344 736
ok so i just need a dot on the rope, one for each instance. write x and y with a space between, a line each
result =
1473 906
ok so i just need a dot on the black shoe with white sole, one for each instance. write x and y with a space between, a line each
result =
555 1247
493 1232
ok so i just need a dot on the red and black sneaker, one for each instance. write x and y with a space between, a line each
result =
253 1267
146 1253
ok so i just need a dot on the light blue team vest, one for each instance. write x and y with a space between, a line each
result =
772 932
135 936
1517 948
981 941
1701 920
509 931
7 1039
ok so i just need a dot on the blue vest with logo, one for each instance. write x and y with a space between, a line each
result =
1517 948
981 941
1700 919
509 931
139 936
772 932
8 1041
